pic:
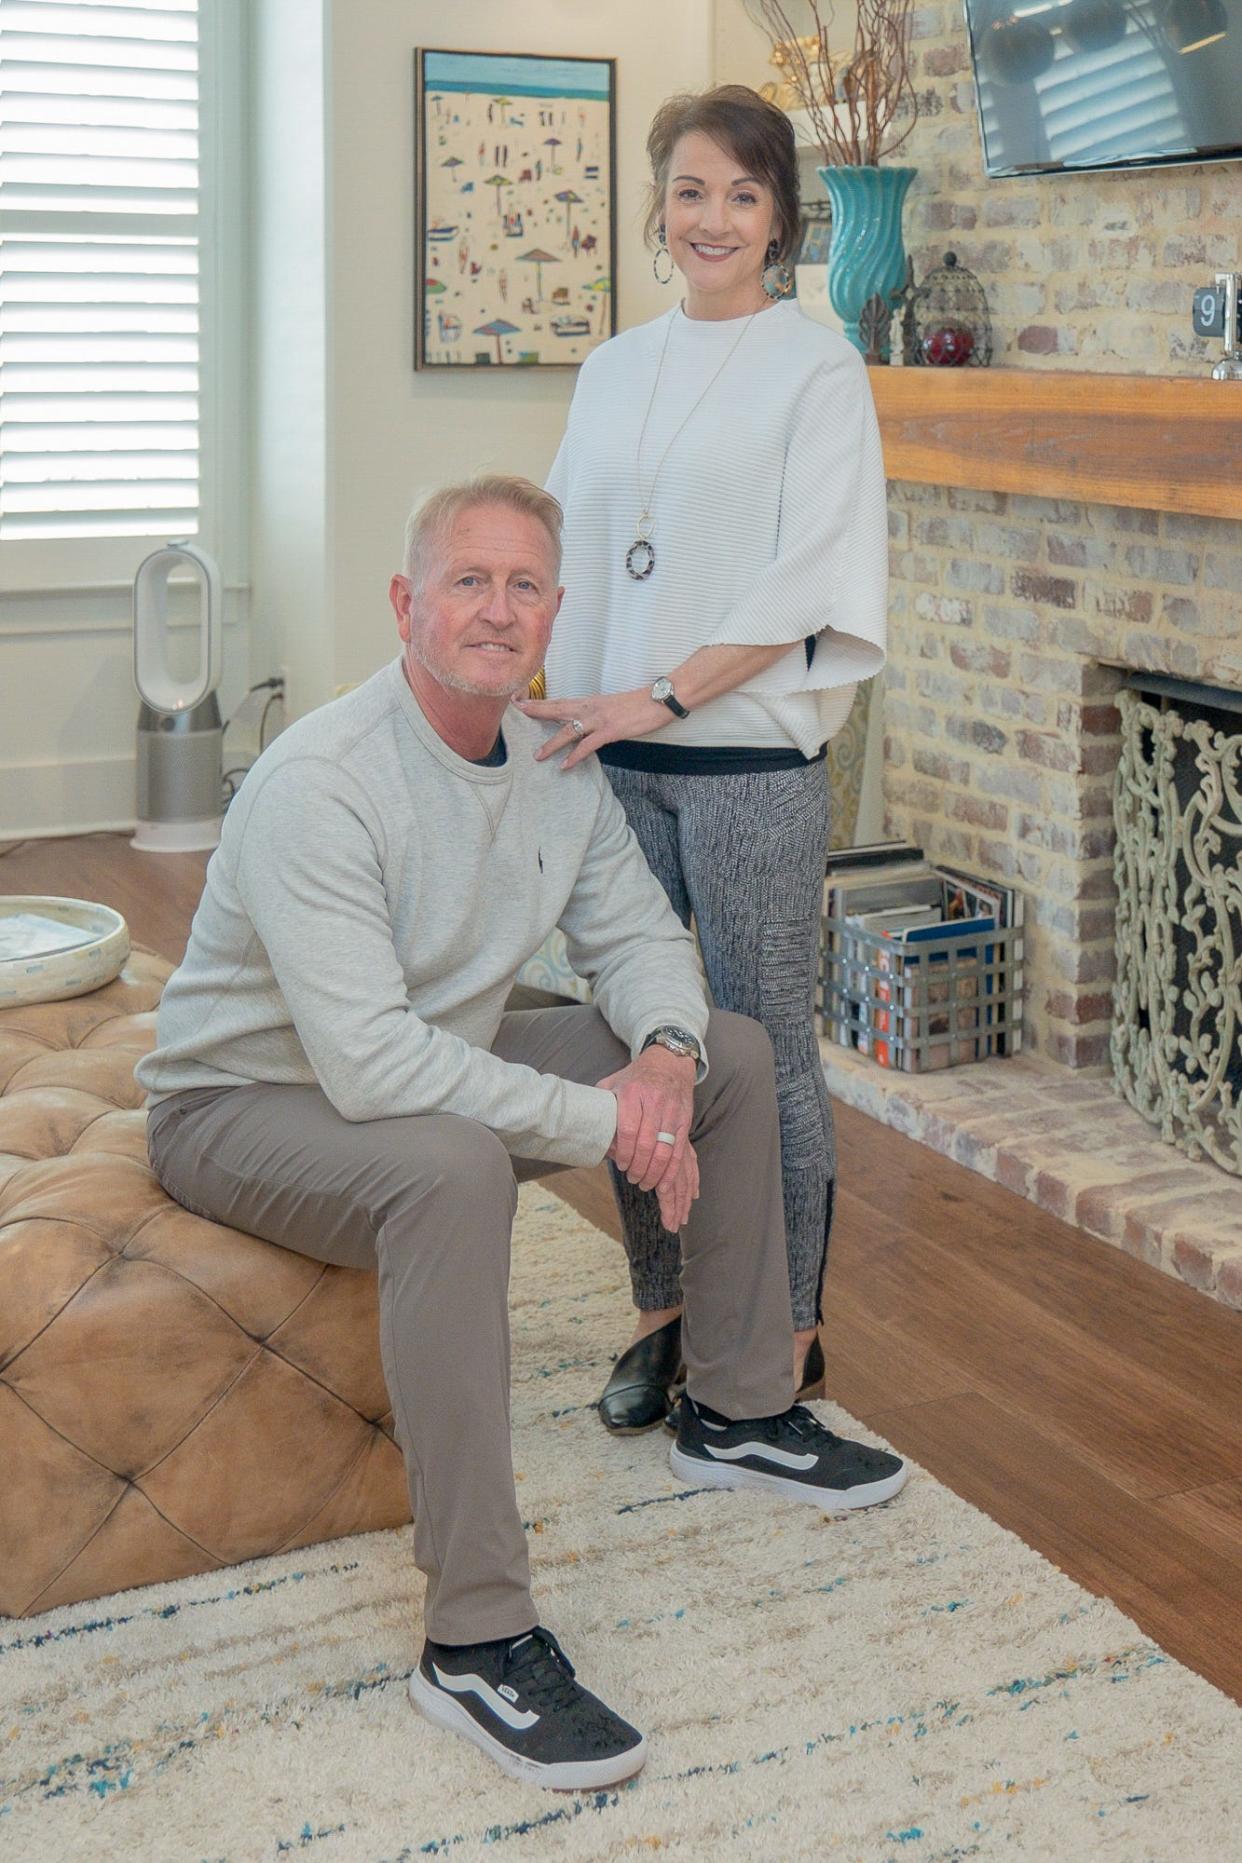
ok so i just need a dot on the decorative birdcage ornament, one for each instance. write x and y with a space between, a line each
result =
952 328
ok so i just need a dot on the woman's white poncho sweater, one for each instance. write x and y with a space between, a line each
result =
769 523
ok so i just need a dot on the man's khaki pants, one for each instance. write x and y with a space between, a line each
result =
429 1201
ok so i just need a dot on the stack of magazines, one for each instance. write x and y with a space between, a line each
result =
921 962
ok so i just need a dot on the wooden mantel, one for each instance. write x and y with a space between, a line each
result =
1162 442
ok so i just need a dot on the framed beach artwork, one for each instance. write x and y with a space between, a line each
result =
515 235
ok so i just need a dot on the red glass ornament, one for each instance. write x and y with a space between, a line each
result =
948 346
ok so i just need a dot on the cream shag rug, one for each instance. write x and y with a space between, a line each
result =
907 1685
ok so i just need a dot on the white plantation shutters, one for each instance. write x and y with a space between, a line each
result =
99 268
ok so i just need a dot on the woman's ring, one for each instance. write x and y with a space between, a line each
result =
577 727
666 1138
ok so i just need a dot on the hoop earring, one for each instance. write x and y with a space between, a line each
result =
777 279
662 252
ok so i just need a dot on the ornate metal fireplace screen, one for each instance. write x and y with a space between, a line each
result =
1177 1009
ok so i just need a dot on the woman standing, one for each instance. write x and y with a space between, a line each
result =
725 573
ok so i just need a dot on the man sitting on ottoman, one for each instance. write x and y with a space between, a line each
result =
336 1071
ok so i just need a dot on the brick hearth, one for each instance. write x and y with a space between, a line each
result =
1068 1144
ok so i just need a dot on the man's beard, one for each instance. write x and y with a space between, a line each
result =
455 682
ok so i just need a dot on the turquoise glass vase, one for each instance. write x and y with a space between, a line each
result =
867 253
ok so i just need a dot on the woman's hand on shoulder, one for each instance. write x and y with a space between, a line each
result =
586 725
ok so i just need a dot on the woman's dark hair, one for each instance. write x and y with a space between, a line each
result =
758 136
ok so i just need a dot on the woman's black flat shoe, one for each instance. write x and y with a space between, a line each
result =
638 1394
814 1377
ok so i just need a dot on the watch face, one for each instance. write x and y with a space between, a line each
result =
662 689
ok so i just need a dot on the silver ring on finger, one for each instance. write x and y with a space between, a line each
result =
577 727
666 1138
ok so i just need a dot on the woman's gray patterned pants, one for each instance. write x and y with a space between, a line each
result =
744 854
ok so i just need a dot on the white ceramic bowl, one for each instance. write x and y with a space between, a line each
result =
50 976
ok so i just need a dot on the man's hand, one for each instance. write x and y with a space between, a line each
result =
655 1094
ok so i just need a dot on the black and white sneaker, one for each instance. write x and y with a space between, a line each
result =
793 1455
518 1700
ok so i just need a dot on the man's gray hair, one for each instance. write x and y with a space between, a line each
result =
429 522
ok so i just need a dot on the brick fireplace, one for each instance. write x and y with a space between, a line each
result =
1011 615
1014 618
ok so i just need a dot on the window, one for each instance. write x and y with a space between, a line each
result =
99 269
122 286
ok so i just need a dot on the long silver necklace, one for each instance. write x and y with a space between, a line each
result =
640 558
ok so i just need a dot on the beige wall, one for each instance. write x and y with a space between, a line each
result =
740 49
290 516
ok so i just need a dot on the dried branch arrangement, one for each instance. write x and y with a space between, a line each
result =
853 98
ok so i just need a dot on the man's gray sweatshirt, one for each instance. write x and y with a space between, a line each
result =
371 900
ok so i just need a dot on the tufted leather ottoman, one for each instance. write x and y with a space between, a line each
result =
174 1396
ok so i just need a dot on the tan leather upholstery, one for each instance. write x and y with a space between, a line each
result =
174 1396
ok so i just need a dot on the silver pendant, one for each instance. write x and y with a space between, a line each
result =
640 558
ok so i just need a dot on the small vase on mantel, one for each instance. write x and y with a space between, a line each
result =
866 254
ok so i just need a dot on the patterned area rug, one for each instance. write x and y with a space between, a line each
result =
909 1685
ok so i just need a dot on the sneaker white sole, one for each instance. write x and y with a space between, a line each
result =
563 1776
703 1474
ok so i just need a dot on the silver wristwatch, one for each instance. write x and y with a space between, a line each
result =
662 692
677 1041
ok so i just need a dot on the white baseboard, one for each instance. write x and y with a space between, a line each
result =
43 799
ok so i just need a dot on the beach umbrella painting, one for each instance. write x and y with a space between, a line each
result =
452 161
552 143
497 182
539 258
571 200
497 328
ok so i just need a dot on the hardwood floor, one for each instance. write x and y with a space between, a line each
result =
155 893
1083 1400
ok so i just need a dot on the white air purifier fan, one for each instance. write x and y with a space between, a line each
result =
180 732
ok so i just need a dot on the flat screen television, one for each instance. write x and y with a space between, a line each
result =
1065 84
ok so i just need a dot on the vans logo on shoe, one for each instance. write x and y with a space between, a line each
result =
492 1698
783 1458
